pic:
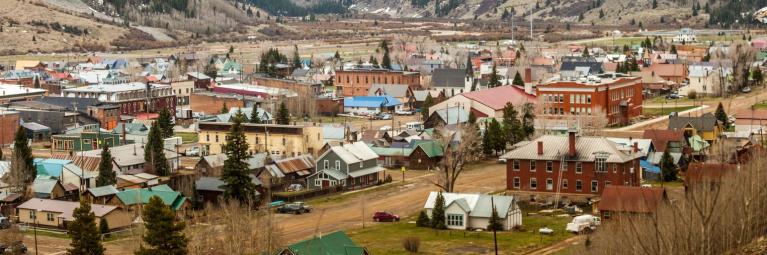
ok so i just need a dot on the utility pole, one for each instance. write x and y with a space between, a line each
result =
495 237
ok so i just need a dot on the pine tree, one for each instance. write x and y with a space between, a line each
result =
469 67
254 118
654 4
296 58
495 223
154 152
512 127
165 122
23 158
528 120
86 239
673 49
518 80
472 118
497 138
438 213
386 60
283 115
601 13
494 78
721 115
107 175
337 56
586 52
428 102
667 167
236 173
487 143
104 227
373 61
164 234
224 108
231 49
423 220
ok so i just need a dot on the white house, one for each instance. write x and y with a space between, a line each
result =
706 78
685 35
473 211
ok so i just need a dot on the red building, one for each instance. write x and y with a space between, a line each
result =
357 82
614 96
572 166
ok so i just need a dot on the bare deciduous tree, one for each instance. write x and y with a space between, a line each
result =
459 147
234 229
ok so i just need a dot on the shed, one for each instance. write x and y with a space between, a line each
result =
37 132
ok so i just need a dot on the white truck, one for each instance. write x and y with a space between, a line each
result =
583 224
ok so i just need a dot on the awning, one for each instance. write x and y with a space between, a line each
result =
366 171
649 167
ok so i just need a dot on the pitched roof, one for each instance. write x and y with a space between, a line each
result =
576 63
668 70
133 196
660 137
336 243
353 153
34 126
209 184
586 147
103 191
66 208
707 172
751 114
448 77
631 199
302 165
420 95
706 122
477 205
394 90
496 98
453 115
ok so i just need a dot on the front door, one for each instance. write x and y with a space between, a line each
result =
325 183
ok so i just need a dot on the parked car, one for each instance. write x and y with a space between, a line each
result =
745 90
583 224
295 187
384 116
501 161
4 222
545 231
385 216
194 151
674 96
294 208
403 112
17 247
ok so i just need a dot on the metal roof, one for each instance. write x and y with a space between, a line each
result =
477 205
302 165
64 207
449 77
103 191
371 101
556 147
395 90
366 171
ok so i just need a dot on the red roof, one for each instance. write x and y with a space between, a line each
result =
708 172
496 98
666 70
661 137
631 199
749 114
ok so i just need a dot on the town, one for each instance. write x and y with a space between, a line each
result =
529 138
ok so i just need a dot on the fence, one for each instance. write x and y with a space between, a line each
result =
306 194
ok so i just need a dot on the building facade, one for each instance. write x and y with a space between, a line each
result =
131 97
357 82
277 140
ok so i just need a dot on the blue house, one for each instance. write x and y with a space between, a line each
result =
368 105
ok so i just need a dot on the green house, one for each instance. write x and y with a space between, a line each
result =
85 138
336 243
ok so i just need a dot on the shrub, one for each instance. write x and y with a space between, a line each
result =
411 244
388 179
423 220
692 95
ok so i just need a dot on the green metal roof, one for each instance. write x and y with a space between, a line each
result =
385 151
336 243
171 198
431 148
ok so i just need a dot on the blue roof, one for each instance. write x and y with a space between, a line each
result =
371 101
50 167
649 167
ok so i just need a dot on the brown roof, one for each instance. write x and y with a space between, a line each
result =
64 207
673 70
708 172
86 163
749 114
631 199
660 137
70 187
301 164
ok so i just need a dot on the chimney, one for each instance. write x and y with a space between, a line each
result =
571 143
540 148
528 75
636 147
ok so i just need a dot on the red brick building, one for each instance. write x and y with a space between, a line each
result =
9 123
357 82
132 98
574 167
618 98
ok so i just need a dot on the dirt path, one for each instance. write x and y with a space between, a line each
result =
572 241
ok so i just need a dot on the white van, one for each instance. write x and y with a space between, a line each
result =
583 224
416 125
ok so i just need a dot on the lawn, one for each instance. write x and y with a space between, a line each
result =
761 105
386 238
187 137
674 184
665 110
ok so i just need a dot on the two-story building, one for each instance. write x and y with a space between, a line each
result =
277 140
131 97
571 166
351 166
357 82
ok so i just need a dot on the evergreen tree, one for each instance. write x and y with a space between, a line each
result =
654 4
512 127
472 118
757 76
496 137
165 122
528 120
107 175
224 108
386 60
337 56
373 61
37 82
494 78
721 115
231 49
283 115
586 52
667 167
236 173
104 227
601 13
154 152
296 58
423 220
23 158
254 118
469 67
673 49
518 80
428 102
495 223
86 239
438 213
164 234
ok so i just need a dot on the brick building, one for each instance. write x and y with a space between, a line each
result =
614 96
131 97
572 166
12 93
9 123
303 88
357 82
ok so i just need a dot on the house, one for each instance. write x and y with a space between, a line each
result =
352 166
56 213
370 105
100 195
129 158
676 73
707 78
401 92
416 154
211 189
443 117
706 126
753 121
473 211
336 243
13 93
583 65
201 81
617 201
65 171
589 163
285 172
129 199
487 102
37 132
131 97
49 189
707 175
685 35
140 180
420 97
357 81
451 81
213 165
85 138
672 141
277 140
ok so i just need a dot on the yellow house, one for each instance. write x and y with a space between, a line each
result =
56 213
283 140
706 126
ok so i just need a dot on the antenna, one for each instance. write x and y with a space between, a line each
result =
531 23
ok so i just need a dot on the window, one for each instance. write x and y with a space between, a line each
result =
606 214
516 182
32 214
207 137
455 220
578 167
564 183
49 216
515 165
564 165
338 165
607 183
325 164
217 138
532 165
284 141
533 183
362 164
549 184
578 185
601 164
594 186
257 141
588 99
549 166
615 168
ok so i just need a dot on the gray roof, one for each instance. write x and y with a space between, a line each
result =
448 77
453 115
706 122
209 184
394 90
338 175
103 191
68 102
274 171
44 186
254 162
477 205
353 153
34 126
365 171
556 147
420 95
128 155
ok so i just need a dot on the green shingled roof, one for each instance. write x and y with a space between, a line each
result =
336 243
